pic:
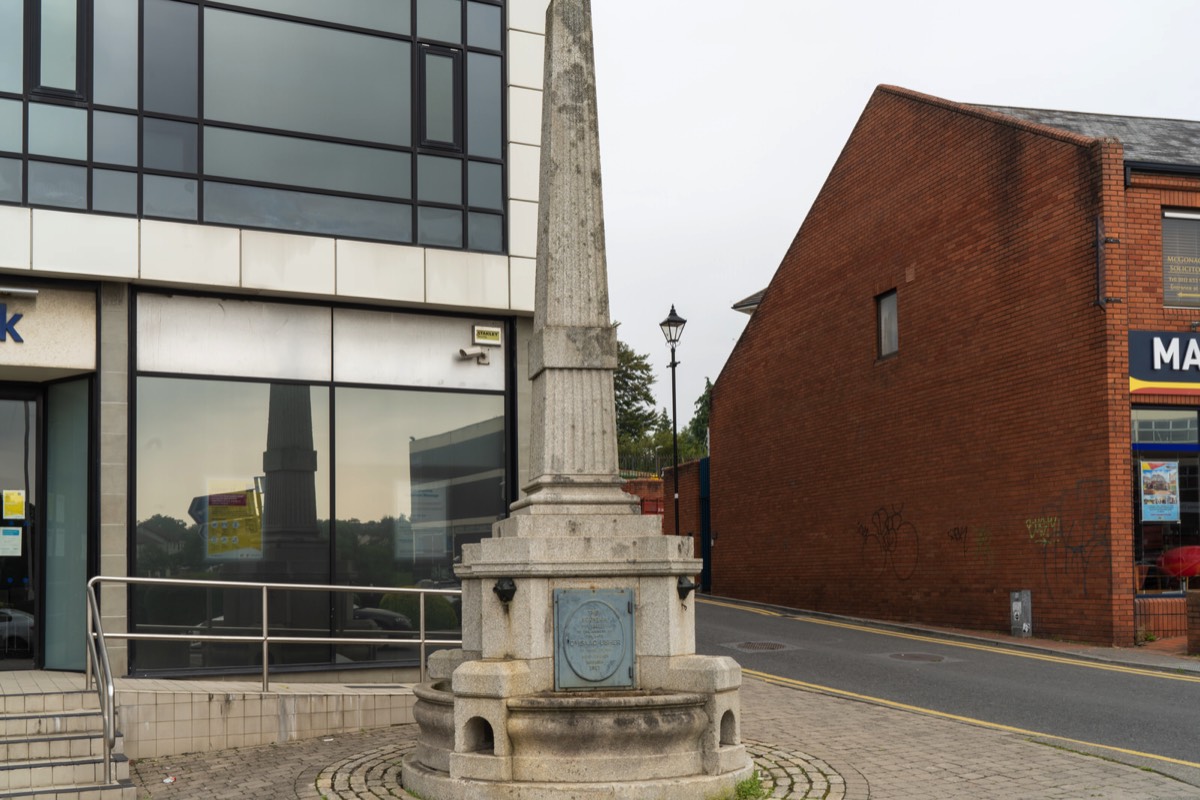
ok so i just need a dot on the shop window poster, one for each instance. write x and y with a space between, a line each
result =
14 504
1160 491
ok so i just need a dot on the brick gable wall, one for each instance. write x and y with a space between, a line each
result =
979 459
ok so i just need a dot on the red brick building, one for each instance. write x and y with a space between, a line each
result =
984 328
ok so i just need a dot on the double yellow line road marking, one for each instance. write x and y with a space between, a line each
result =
791 683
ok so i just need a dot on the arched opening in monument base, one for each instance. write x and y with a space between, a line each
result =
478 736
728 729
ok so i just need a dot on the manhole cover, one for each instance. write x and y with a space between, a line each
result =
760 646
925 657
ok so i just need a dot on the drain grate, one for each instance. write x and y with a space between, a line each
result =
924 657
756 646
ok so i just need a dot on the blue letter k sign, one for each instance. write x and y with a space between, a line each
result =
8 325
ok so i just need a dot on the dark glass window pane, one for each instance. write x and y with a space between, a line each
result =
209 439
11 117
889 337
293 77
168 145
10 180
12 40
114 138
417 476
170 49
59 44
115 56
259 207
485 187
57 131
440 19
483 26
168 197
390 16
441 118
484 90
114 192
485 232
303 162
439 180
60 185
439 226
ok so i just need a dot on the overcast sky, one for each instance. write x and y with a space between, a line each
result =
719 122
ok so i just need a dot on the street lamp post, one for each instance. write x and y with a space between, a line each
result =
672 328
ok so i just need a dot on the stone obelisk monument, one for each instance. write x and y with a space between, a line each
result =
578 676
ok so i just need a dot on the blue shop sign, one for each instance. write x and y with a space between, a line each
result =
1164 362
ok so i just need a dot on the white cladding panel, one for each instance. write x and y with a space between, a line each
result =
392 349
237 338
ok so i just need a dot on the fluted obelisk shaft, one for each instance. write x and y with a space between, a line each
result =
574 349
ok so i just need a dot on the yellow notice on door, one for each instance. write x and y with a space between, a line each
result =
14 504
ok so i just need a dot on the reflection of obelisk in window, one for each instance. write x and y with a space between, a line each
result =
290 467
293 549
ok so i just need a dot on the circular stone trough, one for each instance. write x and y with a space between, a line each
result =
606 736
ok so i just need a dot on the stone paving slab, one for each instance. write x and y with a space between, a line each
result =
807 746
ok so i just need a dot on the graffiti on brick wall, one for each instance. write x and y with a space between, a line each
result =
983 547
1043 529
1073 534
890 543
960 534
975 541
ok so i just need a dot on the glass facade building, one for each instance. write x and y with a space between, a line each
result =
373 120
241 246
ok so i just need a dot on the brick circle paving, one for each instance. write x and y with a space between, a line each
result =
376 774
786 773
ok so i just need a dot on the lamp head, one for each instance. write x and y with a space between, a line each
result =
672 327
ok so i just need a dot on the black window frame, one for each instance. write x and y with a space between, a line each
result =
458 144
33 53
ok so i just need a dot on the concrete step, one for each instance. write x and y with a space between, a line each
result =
45 748
49 702
38 776
50 723
120 790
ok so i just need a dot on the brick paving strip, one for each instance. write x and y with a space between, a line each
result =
364 767
866 752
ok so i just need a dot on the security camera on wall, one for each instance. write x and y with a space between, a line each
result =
480 354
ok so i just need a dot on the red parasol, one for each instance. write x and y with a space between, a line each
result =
1181 562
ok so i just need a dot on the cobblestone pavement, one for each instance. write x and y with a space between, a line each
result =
806 745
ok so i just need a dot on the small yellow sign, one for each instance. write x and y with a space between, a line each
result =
14 504
234 525
488 336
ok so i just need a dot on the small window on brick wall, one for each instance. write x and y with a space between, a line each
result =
888 331
1181 259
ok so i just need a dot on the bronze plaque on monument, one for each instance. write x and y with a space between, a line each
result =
593 639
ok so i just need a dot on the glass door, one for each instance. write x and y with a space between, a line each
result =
18 527
66 522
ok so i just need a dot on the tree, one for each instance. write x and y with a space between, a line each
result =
697 429
635 402
644 435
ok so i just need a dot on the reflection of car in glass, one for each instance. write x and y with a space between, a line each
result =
16 630
385 619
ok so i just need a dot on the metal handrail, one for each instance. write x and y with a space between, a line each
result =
97 655
99 667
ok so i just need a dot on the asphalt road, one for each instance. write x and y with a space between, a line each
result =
1137 716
